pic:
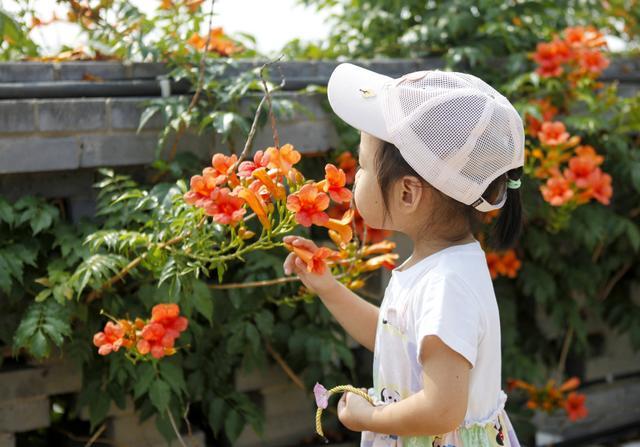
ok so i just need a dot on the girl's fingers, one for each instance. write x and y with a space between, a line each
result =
288 262
300 242
305 243
293 264
343 401
299 263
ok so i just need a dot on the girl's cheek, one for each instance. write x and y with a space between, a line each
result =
361 200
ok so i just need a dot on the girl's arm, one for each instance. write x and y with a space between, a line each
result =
356 315
439 408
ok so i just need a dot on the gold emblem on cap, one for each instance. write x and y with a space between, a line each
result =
367 93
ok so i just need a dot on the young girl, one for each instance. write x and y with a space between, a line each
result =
437 150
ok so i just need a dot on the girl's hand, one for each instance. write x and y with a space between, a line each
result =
354 411
317 283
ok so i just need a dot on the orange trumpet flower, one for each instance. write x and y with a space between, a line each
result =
387 260
315 260
333 184
284 158
574 405
309 205
256 203
276 190
379 247
340 230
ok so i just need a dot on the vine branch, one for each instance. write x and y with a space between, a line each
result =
563 353
203 57
97 293
175 429
606 290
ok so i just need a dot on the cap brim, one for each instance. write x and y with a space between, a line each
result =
360 110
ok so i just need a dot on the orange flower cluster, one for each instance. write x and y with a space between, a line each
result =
550 397
155 337
505 264
571 176
316 260
218 43
577 55
580 182
222 193
310 204
225 187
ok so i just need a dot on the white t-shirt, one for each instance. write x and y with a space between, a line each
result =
449 294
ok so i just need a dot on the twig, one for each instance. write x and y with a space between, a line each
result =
597 252
203 57
96 435
563 353
246 285
175 429
97 293
276 140
199 85
254 126
285 367
75 437
263 283
289 372
186 420
604 293
247 145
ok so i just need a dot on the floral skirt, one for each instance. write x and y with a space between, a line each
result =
497 433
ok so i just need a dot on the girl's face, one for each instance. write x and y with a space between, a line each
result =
367 194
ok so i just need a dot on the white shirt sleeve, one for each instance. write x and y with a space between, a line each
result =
448 308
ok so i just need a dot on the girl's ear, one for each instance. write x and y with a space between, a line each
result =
411 190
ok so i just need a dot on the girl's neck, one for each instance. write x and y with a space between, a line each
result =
426 247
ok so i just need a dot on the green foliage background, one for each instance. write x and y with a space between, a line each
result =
48 266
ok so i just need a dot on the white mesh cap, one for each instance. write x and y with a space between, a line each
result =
452 128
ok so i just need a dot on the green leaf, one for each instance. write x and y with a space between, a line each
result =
216 414
6 212
202 299
633 233
39 346
635 175
538 282
163 424
5 277
160 394
253 336
41 324
98 408
146 115
233 424
264 321
174 375
97 269
39 214
43 295
146 374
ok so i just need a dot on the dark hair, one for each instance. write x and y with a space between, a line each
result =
391 166
509 225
